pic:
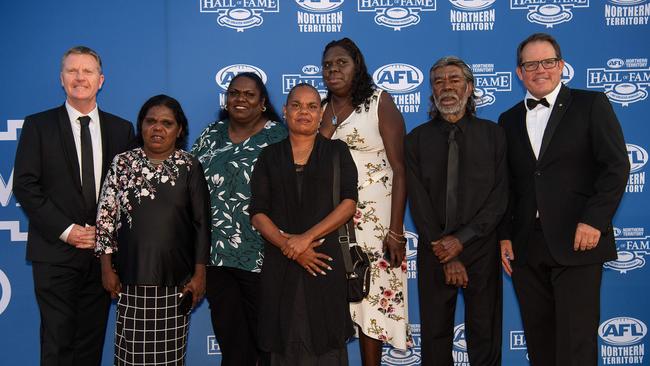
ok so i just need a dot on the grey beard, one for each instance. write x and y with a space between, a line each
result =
453 109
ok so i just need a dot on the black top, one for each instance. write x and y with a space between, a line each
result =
482 181
275 193
154 219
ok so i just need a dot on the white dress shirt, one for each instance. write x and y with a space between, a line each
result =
96 137
537 119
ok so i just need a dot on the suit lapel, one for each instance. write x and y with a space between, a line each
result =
103 127
69 148
520 124
559 108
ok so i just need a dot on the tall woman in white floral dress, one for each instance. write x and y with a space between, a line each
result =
370 123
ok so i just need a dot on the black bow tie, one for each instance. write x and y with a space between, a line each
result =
532 103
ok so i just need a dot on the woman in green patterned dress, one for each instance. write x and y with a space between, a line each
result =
228 149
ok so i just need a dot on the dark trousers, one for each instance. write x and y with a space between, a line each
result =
483 312
232 295
560 307
74 311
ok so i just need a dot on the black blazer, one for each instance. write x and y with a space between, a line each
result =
47 183
580 176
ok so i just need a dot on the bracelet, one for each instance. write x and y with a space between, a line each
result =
395 233
401 240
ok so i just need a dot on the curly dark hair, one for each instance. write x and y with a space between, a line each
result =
175 107
362 85
270 112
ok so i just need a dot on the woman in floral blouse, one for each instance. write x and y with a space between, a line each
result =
228 150
153 226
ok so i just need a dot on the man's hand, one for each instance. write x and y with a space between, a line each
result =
455 274
447 248
507 255
587 237
314 262
82 237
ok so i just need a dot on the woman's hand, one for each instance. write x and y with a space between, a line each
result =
314 262
111 282
196 284
396 250
110 279
296 245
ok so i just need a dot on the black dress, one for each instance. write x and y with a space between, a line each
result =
275 192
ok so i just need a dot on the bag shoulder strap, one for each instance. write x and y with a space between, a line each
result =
344 238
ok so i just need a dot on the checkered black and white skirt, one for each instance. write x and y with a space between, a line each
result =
149 328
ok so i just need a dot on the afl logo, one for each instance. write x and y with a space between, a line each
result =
5 294
615 63
638 157
622 331
411 244
472 4
459 337
567 73
319 5
398 78
310 69
617 232
225 75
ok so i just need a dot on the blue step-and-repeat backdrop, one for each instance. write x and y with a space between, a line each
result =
190 49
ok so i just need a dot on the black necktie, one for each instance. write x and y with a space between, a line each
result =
452 181
532 103
87 170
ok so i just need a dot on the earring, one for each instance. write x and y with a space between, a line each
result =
264 108
225 107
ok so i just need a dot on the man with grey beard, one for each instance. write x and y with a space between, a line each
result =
457 185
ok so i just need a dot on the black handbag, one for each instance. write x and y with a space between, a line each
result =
357 262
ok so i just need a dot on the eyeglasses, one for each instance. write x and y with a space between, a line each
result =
548 63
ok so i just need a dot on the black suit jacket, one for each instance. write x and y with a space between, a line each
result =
580 176
47 182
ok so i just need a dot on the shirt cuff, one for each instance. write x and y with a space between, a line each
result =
64 235
465 234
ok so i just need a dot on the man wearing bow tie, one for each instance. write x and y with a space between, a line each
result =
568 166
62 158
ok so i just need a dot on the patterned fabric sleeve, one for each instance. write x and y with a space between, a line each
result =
108 212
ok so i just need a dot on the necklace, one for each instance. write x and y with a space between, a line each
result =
335 119
301 160
156 162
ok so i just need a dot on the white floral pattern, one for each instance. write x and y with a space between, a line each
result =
130 179
383 314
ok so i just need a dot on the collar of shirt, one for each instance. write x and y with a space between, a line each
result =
445 125
550 98
75 114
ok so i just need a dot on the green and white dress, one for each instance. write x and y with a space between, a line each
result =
228 168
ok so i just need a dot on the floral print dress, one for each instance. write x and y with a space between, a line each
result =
383 314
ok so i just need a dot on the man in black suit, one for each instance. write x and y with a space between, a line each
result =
62 157
457 182
568 167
